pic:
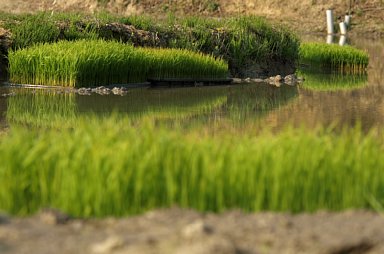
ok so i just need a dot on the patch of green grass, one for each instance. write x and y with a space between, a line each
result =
97 62
343 58
109 168
239 40
31 29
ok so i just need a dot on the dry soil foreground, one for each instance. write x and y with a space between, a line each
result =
184 231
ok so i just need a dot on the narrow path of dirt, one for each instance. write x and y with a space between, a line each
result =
185 231
302 16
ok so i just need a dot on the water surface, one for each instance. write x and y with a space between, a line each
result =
325 99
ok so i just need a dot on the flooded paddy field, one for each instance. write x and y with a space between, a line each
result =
228 112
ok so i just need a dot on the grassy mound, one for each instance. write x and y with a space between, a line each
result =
240 40
343 58
97 62
109 168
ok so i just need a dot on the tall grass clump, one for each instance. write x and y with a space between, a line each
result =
31 29
109 168
181 63
343 58
241 41
97 62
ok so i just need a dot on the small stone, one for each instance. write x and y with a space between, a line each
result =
236 81
290 79
278 78
4 219
53 216
258 80
110 244
84 91
247 80
196 228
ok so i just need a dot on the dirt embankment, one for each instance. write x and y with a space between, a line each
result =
303 16
188 232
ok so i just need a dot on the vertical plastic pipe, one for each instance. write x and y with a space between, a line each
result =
342 40
347 20
343 28
329 38
330 29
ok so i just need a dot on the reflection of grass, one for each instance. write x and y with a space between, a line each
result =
345 58
41 108
47 108
332 81
107 167
252 101
161 103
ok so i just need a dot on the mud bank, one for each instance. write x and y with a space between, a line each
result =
186 231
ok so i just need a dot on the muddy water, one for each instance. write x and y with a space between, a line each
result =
236 105
363 104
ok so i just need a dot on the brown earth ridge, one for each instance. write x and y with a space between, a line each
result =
306 16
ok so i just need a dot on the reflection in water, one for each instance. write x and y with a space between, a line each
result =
41 107
237 105
193 106
328 81
376 64
3 108
157 103
340 108
248 103
342 40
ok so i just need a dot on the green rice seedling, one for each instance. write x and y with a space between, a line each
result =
332 81
103 168
343 58
178 63
97 62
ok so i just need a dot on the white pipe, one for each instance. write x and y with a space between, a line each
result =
347 20
329 38
343 28
342 40
329 21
